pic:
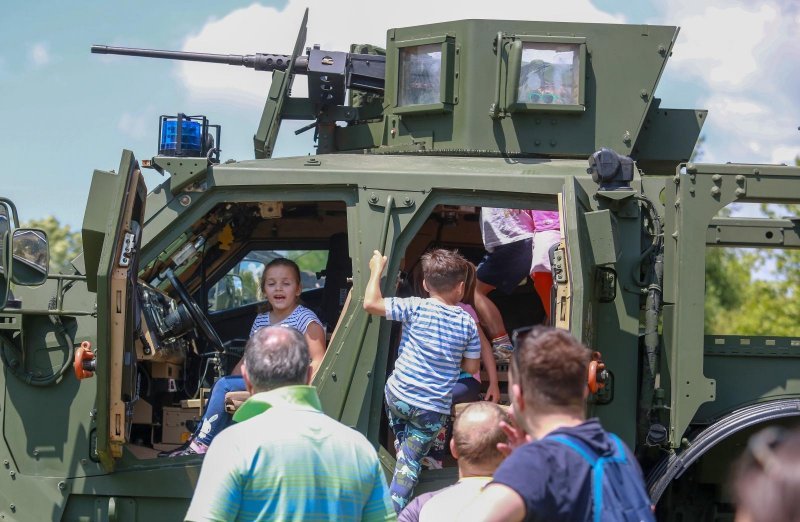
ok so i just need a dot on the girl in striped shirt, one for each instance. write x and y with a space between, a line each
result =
281 285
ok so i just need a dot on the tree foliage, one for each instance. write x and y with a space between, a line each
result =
250 287
738 303
64 244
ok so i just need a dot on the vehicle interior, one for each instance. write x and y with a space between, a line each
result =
214 270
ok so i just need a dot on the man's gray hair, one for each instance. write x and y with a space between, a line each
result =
276 356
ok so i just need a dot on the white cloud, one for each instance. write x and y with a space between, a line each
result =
39 54
745 56
137 126
785 154
720 44
331 24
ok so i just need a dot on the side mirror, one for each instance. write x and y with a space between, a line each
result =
226 293
7 210
5 263
30 257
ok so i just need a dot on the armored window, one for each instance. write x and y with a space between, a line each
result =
426 71
549 74
420 75
546 74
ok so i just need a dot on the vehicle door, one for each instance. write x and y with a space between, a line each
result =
112 235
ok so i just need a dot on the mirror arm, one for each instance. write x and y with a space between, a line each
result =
10 204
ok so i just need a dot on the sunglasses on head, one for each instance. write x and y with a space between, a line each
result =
517 335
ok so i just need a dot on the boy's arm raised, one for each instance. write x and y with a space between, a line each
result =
373 298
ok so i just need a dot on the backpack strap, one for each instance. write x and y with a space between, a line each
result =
596 463
577 446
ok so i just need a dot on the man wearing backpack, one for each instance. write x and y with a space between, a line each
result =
561 466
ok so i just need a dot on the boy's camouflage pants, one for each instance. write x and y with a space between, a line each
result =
414 430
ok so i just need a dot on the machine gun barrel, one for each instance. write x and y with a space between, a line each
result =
259 61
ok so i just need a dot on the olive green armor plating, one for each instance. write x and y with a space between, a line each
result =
103 365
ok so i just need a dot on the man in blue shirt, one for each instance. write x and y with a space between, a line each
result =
549 474
285 459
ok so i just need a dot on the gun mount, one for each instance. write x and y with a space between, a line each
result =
331 75
353 71
479 88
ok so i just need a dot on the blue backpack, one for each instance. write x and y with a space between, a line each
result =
618 493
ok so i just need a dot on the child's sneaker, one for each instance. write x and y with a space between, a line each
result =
429 462
502 348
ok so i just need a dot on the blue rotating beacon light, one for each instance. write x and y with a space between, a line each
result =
188 136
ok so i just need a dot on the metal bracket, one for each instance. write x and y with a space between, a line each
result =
183 171
606 284
559 266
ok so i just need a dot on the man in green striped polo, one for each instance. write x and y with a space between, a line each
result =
285 459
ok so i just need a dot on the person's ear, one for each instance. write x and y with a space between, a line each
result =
453 450
247 383
517 400
425 285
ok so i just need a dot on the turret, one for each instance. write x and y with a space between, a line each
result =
480 87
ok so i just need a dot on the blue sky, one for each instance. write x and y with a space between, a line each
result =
67 112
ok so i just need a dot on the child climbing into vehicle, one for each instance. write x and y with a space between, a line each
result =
439 338
468 386
517 243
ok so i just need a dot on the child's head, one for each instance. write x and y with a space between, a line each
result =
443 270
280 283
469 285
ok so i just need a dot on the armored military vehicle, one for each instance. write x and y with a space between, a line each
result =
108 363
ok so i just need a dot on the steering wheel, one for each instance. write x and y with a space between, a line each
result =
198 317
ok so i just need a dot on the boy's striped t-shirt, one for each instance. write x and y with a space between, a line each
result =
435 338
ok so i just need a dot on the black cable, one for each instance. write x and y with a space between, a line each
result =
30 378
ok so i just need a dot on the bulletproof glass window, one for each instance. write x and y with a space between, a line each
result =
419 75
549 74
545 73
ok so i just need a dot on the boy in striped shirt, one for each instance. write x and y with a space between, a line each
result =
439 338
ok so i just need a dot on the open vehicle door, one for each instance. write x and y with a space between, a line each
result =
573 266
112 234
597 298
